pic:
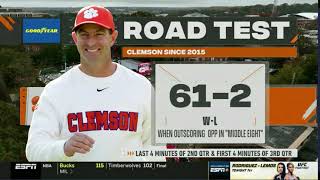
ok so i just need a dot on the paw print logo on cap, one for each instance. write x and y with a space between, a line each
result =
90 13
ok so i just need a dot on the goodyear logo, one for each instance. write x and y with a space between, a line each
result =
41 30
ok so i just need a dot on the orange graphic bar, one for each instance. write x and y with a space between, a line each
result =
6 23
183 52
23 106
11 20
292 105
294 39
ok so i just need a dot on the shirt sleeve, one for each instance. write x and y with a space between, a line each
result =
43 139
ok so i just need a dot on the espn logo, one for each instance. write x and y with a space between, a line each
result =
217 170
26 166
24 170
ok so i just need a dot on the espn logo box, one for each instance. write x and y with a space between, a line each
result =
25 170
219 170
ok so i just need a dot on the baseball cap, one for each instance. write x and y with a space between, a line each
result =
95 15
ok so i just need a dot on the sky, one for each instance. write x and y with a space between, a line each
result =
143 3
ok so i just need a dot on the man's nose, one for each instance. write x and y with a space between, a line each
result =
91 41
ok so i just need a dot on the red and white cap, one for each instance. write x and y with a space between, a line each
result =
95 15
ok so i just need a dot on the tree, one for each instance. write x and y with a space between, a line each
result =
49 55
287 75
72 54
302 71
142 14
4 96
13 137
305 46
16 68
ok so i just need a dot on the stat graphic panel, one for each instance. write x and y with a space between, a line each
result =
201 103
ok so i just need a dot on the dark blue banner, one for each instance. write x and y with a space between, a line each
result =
41 30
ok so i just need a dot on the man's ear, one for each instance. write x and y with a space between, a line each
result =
114 36
74 37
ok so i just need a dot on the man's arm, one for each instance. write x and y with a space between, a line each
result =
43 139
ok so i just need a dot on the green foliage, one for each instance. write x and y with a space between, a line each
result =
297 8
305 46
309 65
262 10
142 14
266 10
4 95
13 137
49 55
17 70
16 67
302 71
72 55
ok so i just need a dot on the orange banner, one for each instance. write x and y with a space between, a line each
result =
198 52
288 105
23 107
292 105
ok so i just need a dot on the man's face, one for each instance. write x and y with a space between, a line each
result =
280 168
290 168
94 43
